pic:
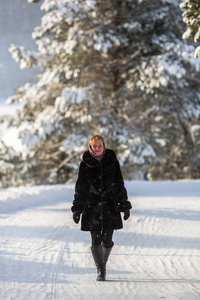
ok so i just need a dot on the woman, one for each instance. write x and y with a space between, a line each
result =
100 196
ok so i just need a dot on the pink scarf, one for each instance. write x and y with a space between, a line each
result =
98 157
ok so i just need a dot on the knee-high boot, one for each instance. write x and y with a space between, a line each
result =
106 253
97 253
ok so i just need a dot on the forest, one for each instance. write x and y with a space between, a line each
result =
125 69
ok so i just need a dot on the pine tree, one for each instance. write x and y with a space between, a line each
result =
117 68
191 17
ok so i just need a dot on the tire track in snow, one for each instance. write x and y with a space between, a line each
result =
55 274
72 277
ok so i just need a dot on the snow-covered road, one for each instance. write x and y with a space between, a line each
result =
44 255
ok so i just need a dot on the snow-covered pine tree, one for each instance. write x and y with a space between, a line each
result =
8 157
191 17
118 68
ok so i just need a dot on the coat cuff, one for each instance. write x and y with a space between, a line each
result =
123 206
73 209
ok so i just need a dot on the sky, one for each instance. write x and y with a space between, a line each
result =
17 21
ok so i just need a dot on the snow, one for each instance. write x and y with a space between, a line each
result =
10 138
75 95
75 142
44 255
6 109
9 135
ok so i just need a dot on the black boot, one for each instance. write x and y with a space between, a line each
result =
97 253
106 253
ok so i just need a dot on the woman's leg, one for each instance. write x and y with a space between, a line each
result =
106 238
95 238
97 253
101 247
107 244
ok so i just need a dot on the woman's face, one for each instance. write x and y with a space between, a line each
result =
97 147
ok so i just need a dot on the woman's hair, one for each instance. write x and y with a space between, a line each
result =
95 138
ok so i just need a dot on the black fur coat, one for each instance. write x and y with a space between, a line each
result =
100 194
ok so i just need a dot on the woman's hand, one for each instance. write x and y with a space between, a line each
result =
76 216
126 214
